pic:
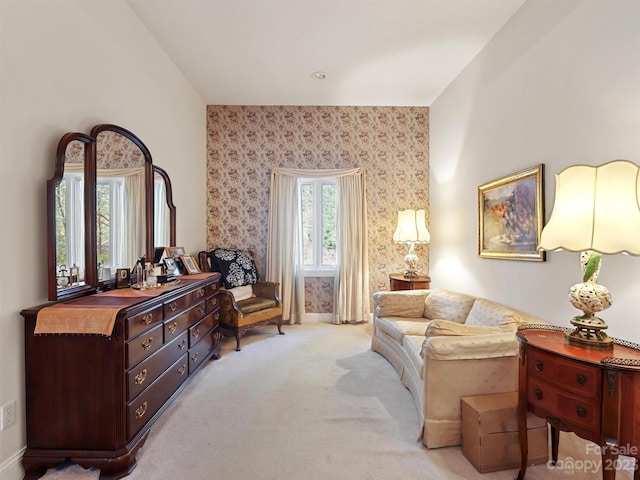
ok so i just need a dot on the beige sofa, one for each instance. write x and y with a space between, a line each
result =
445 346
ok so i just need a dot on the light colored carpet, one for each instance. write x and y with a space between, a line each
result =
316 403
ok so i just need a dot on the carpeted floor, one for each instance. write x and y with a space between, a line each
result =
316 403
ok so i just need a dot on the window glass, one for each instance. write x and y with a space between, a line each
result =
318 203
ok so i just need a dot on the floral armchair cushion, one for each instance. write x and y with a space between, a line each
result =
236 266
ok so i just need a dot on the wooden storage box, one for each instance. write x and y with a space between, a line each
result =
490 433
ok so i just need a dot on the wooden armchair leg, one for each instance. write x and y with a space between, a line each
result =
279 325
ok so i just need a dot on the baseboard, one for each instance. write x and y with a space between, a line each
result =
318 317
11 469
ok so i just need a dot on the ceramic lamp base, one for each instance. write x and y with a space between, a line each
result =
589 333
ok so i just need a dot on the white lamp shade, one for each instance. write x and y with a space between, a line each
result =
596 208
411 227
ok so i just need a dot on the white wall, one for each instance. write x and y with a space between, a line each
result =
558 85
66 65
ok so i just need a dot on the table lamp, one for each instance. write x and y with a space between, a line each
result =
595 212
411 229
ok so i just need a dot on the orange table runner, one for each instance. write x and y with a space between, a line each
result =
96 314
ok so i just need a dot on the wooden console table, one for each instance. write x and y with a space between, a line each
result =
593 393
397 281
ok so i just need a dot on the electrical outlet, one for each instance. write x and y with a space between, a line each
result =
8 415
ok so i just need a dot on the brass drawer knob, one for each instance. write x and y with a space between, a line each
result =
173 306
146 345
201 309
173 327
196 333
581 412
194 357
141 410
140 377
182 369
182 344
539 365
538 394
581 379
148 318
200 292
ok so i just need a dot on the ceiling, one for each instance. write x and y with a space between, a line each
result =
373 52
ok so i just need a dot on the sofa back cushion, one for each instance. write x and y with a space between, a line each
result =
408 303
447 305
487 313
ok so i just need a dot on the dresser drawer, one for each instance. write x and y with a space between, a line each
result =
568 375
176 325
212 288
178 305
541 396
199 353
578 411
213 303
143 321
202 328
579 379
144 407
146 372
144 345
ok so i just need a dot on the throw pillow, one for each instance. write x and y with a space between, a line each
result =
440 328
448 305
236 266
492 314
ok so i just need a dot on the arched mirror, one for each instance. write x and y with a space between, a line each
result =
108 205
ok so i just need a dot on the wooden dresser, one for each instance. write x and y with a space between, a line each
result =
93 398
593 393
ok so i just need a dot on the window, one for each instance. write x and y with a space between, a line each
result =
318 202
70 218
110 221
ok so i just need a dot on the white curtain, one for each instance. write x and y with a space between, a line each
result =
284 245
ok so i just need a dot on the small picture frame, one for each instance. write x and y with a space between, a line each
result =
189 264
173 252
171 266
123 277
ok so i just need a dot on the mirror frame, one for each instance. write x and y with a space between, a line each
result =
92 285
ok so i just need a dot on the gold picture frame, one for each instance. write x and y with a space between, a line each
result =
190 265
173 252
510 216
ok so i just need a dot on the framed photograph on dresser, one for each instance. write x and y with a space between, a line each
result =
189 264
510 216
173 252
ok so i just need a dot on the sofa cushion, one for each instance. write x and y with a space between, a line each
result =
407 303
236 266
398 327
255 304
437 328
448 305
492 314
412 344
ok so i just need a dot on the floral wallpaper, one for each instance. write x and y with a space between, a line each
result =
245 142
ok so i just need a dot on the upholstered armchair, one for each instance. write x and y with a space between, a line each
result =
245 301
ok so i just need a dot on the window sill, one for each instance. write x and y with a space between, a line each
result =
312 273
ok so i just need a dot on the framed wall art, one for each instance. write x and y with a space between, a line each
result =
510 216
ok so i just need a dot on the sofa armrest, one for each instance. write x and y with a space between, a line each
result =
400 303
470 347
267 290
